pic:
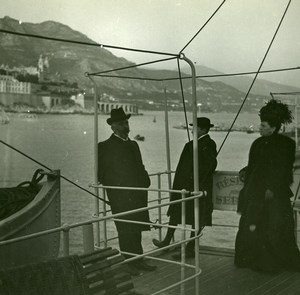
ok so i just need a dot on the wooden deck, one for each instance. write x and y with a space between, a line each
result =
219 276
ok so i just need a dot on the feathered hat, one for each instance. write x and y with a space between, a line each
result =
276 113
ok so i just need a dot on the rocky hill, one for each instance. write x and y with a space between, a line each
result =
69 61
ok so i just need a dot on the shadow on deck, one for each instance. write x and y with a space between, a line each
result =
219 276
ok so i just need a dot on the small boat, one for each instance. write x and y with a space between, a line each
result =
39 214
250 129
181 126
139 137
154 119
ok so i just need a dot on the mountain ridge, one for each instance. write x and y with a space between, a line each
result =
70 61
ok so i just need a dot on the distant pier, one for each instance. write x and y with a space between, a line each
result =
106 107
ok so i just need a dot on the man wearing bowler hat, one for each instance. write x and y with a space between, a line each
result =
120 164
184 179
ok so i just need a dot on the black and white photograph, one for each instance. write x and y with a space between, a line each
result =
149 147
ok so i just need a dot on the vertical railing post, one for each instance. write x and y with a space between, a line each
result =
296 122
183 218
168 153
104 223
196 168
96 212
159 208
167 140
88 238
66 241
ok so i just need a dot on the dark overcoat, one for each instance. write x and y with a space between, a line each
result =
272 244
120 164
184 179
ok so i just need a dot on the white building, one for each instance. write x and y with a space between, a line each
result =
9 84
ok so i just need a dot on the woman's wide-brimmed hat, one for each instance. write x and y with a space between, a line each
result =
117 115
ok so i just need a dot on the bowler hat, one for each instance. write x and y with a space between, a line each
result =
203 122
117 115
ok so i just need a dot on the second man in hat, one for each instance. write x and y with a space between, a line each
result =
184 179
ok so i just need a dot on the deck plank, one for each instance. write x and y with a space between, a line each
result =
219 276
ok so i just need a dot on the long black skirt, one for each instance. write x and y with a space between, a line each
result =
272 245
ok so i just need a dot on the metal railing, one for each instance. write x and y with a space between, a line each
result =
88 236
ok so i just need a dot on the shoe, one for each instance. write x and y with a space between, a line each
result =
142 265
159 244
131 269
188 254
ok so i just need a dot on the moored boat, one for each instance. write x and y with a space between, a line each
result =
42 213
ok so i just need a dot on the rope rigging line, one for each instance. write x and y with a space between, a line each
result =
86 43
258 71
202 27
202 76
183 100
133 66
285 93
44 166
130 77
248 73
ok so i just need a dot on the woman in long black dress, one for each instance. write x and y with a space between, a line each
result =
265 239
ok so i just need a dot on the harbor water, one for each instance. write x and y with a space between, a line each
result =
65 142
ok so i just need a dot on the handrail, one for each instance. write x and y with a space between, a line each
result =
66 229
134 188
70 226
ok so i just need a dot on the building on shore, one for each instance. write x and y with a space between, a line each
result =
9 84
106 107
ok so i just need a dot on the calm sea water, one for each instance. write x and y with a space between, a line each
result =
65 142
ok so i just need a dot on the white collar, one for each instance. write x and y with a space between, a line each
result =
202 136
120 137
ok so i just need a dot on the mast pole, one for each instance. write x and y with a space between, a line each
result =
196 168
96 213
296 122
167 140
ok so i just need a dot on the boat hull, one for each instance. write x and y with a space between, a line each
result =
43 213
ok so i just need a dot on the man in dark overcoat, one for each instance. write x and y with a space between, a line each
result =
184 179
120 164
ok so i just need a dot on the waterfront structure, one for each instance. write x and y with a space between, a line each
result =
106 107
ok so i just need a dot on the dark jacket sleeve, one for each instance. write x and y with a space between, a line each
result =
143 175
207 161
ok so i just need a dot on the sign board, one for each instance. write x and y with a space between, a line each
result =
226 188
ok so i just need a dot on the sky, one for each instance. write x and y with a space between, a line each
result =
234 40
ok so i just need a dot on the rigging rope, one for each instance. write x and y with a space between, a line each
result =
202 27
133 66
131 78
284 93
201 76
238 74
258 71
183 100
44 166
86 43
